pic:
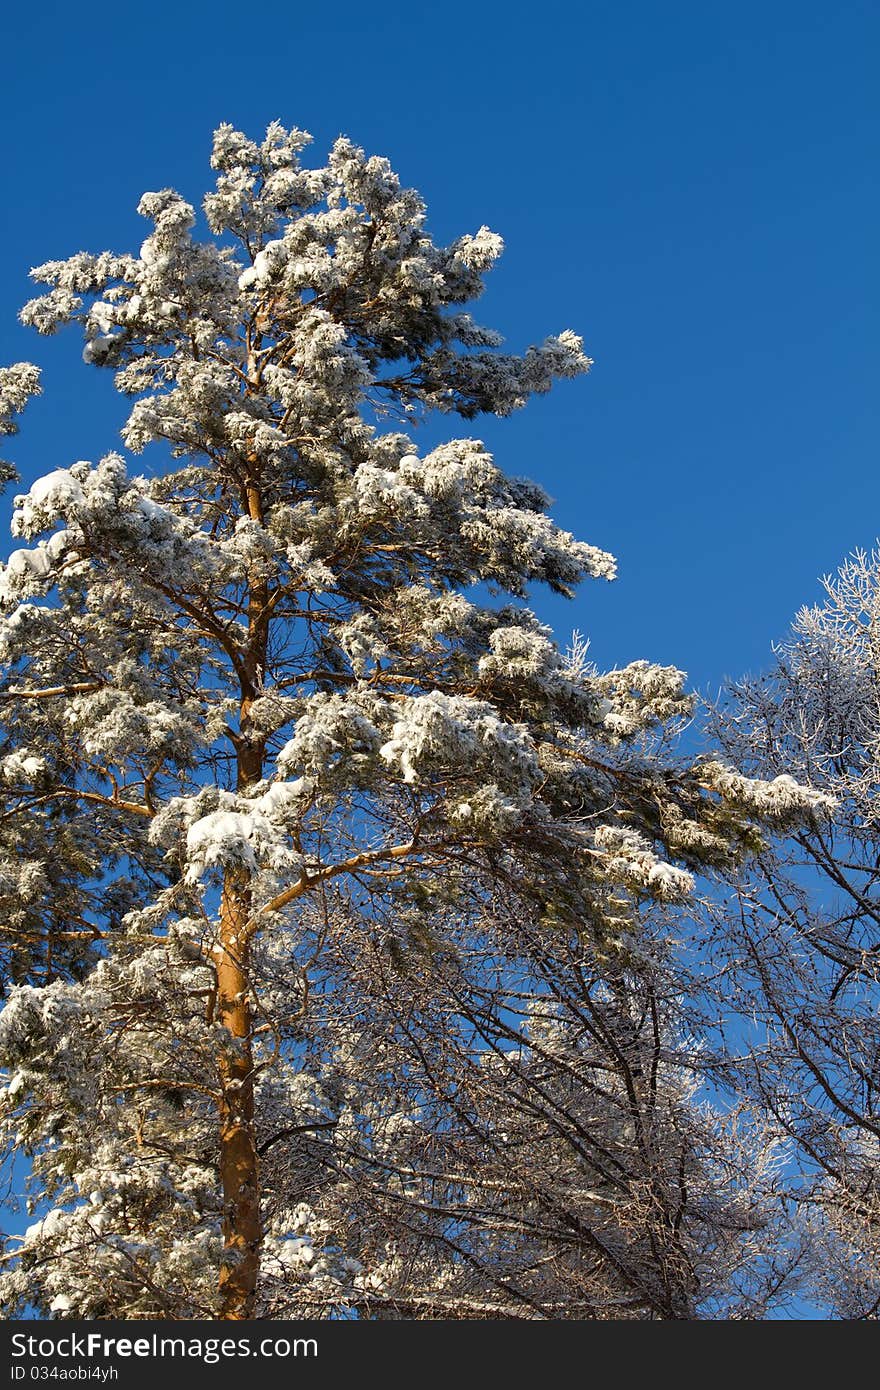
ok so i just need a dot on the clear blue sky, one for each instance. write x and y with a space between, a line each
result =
691 186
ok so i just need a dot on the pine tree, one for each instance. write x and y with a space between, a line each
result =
278 782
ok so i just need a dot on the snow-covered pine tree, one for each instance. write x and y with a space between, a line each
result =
267 753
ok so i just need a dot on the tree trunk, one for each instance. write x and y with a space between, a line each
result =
239 1162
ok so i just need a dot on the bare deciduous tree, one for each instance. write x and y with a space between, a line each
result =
802 941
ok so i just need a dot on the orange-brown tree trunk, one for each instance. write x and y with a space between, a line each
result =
239 1161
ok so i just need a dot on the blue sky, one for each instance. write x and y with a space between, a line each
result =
691 186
